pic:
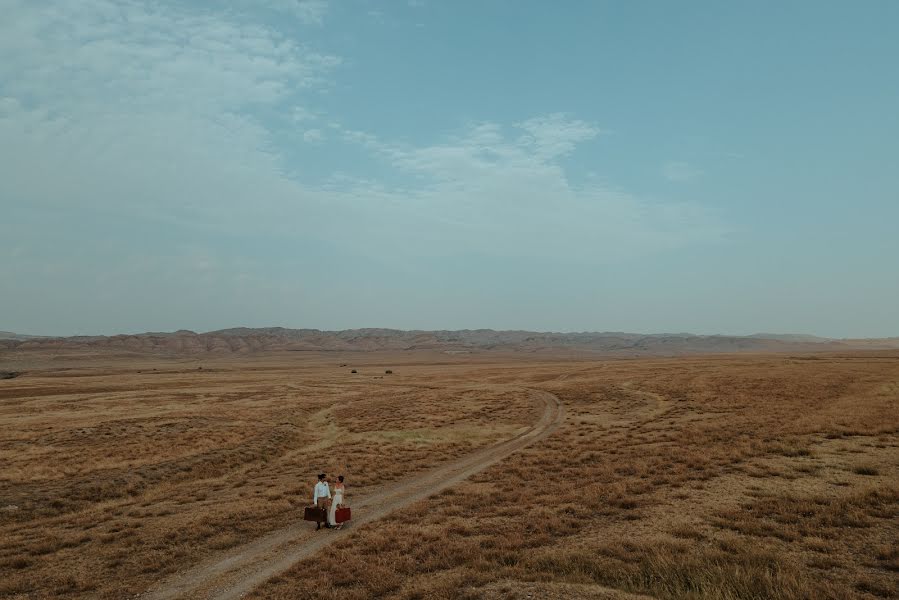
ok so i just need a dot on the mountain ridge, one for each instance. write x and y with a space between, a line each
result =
246 340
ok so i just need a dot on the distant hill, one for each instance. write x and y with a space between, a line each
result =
9 335
243 340
791 337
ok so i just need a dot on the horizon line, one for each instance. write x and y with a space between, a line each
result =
759 334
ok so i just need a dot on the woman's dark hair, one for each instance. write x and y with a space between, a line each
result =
321 476
340 478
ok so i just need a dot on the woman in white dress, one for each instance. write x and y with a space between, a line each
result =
336 502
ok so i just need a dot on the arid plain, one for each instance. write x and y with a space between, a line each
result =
718 476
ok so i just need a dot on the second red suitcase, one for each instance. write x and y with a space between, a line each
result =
341 515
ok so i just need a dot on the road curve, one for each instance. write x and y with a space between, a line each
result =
239 570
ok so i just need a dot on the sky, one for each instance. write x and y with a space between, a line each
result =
645 166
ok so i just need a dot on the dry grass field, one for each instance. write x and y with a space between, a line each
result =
736 477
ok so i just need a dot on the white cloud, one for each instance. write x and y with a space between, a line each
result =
494 192
154 116
302 114
313 135
149 58
556 135
309 12
144 109
679 171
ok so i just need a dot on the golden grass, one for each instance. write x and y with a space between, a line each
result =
678 478
705 477
114 477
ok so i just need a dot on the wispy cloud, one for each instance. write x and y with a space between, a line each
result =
176 116
313 135
494 190
145 109
310 12
556 134
302 114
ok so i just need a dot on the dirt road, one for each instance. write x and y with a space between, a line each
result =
239 570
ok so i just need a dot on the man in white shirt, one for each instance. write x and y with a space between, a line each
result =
321 497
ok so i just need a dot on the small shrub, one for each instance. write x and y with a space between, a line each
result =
865 470
20 563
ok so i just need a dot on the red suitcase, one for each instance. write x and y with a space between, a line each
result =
342 514
312 513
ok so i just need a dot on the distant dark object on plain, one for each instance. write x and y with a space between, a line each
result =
9 374
353 371
388 372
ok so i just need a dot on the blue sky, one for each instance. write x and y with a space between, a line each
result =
640 166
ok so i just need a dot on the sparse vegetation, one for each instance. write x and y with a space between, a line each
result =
725 477
865 470
129 477
681 478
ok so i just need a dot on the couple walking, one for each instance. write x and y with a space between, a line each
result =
321 497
